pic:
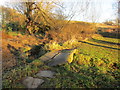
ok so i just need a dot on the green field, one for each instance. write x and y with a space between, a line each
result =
95 65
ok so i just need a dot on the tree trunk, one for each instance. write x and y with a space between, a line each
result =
28 14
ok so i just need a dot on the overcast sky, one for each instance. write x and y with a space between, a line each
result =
106 10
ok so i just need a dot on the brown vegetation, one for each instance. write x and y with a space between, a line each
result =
77 31
10 45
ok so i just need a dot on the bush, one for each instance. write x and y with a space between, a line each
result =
109 23
12 26
59 46
72 31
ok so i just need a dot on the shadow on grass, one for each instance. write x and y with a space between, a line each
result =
99 45
110 35
67 79
16 53
104 42
72 76
34 53
37 51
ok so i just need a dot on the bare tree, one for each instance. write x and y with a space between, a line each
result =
118 12
42 12
116 7
36 12
93 11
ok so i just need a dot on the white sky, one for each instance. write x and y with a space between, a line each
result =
106 11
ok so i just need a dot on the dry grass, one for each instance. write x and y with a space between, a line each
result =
71 31
9 59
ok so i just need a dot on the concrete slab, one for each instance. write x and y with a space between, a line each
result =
62 58
46 73
31 82
48 55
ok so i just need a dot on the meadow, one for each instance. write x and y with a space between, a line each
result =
29 30
95 65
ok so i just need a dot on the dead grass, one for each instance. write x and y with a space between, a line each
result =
8 59
71 31
19 41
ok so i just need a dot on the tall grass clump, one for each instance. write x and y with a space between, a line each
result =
70 44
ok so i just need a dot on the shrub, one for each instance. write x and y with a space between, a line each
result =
108 23
73 31
70 44
53 46
12 26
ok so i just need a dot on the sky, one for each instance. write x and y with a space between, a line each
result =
103 8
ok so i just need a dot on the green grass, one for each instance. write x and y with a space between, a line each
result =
13 78
13 33
93 67
114 40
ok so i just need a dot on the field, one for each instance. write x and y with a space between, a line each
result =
95 65
72 43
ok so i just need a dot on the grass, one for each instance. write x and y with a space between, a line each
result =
92 67
114 40
13 78
70 44
105 40
15 33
